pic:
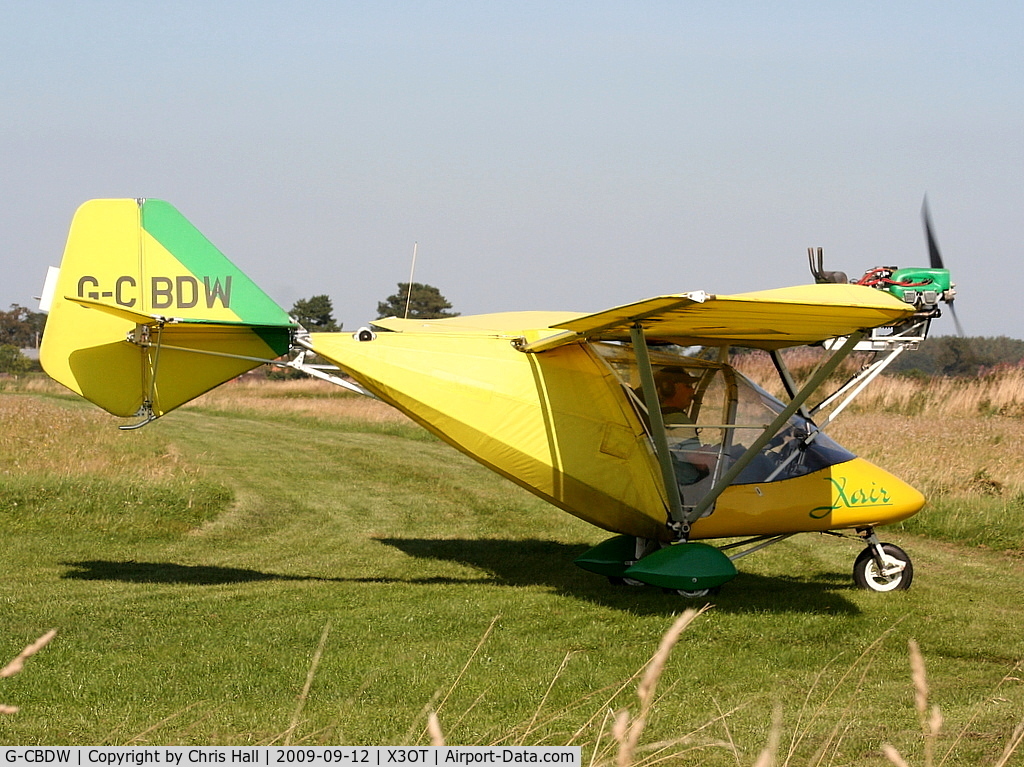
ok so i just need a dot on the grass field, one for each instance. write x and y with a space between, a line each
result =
200 572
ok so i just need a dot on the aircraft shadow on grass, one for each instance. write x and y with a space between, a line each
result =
170 573
131 571
515 563
533 562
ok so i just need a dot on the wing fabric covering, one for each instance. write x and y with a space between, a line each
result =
555 423
148 314
140 268
767 319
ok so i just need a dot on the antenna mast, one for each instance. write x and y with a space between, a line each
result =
412 271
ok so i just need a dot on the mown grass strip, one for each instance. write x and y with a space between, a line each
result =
408 550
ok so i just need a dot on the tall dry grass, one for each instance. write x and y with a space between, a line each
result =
42 436
998 392
947 437
18 663
609 731
931 721
300 396
620 729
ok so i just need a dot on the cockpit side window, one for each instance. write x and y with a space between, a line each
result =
695 404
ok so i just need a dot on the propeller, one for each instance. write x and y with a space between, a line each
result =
935 257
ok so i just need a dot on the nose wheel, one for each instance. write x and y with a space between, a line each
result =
883 567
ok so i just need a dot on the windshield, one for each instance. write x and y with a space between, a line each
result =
786 455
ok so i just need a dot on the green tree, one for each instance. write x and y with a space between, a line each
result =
13 361
956 356
425 302
316 313
21 327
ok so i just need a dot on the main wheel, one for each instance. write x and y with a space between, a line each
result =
890 577
694 594
618 580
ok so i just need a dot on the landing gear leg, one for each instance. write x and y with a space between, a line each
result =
882 566
643 547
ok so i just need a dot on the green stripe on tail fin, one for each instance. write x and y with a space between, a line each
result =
218 281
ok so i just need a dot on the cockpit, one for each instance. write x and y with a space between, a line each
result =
712 413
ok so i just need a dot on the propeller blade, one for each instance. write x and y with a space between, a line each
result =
934 257
956 321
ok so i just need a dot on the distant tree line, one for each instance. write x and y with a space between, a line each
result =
416 301
959 356
20 328
316 313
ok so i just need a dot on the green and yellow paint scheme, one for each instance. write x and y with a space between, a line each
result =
139 269
560 424
147 314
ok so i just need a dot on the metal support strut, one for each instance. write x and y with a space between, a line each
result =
650 390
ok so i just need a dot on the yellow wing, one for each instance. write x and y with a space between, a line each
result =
767 319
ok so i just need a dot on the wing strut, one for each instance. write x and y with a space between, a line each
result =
668 474
320 371
787 380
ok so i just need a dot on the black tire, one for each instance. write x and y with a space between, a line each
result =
618 580
867 575
694 594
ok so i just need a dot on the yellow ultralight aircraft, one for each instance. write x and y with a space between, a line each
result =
146 314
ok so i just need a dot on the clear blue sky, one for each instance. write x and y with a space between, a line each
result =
544 155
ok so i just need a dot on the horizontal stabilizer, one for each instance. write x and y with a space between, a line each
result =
153 319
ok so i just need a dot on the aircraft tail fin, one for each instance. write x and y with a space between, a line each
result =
146 314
